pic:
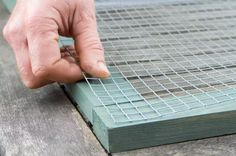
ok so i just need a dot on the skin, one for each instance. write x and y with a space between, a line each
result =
33 31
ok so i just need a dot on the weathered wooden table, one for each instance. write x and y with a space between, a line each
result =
44 122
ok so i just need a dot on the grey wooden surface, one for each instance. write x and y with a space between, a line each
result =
38 122
44 122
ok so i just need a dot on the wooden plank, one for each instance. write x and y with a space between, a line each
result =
218 146
195 124
119 139
38 122
88 103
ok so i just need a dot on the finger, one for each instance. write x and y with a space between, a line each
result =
88 44
45 53
13 28
14 34
24 67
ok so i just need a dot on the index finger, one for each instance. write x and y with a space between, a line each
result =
45 54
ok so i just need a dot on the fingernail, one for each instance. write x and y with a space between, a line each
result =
103 67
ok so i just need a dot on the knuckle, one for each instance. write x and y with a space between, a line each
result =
9 32
41 71
94 44
30 84
27 78
31 24
32 28
86 66
41 27
23 71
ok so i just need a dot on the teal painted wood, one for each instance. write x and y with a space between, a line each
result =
86 104
182 126
165 132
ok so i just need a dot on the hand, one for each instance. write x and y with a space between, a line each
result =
33 31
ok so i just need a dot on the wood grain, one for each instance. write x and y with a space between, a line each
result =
38 122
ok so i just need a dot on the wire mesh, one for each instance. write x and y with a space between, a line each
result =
166 58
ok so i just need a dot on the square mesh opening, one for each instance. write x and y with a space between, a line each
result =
166 58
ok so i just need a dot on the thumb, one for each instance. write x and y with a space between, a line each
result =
89 47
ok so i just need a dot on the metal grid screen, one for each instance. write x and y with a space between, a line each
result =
166 58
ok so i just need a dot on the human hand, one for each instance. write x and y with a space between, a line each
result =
33 31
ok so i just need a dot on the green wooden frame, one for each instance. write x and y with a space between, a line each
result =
188 125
